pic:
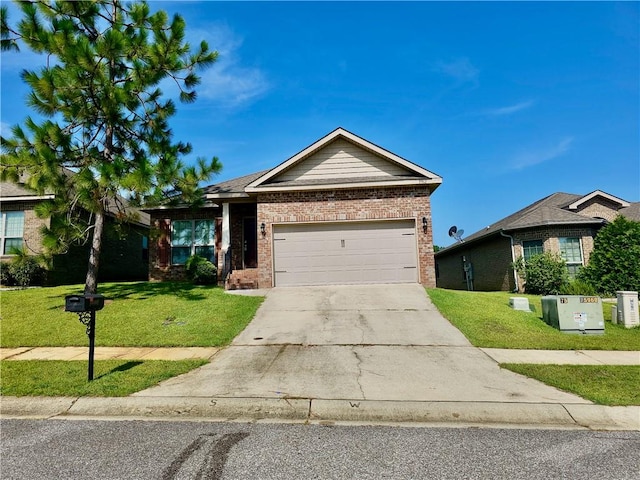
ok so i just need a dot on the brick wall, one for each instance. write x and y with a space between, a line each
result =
491 261
32 226
159 272
550 236
121 259
599 207
491 258
345 205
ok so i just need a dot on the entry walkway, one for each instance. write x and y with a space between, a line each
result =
500 355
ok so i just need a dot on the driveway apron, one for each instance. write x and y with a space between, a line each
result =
370 342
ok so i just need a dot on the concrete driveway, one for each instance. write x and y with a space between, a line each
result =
369 342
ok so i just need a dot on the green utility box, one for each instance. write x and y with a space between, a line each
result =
573 313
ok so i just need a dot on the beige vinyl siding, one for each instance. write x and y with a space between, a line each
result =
342 159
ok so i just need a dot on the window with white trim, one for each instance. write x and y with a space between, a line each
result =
11 231
571 253
192 237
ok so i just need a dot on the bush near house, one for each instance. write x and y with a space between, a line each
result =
544 274
23 271
614 263
201 271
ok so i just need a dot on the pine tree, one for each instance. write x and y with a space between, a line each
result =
105 131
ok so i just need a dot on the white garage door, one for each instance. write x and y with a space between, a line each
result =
345 253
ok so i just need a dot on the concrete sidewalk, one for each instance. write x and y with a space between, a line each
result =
107 353
564 357
569 416
378 354
326 411
278 408
500 355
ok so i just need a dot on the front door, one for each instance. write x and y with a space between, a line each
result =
249 242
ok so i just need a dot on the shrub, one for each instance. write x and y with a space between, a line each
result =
544 274
201 271
578 287
6 279
614 263
25 270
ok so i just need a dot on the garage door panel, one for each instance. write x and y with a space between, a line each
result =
345 253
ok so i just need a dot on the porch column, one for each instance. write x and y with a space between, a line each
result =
226 230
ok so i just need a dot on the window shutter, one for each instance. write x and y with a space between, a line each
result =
164 241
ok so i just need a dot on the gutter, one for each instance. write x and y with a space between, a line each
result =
27 198
513 259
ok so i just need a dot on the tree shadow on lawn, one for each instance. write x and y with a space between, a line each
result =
144 290
122 368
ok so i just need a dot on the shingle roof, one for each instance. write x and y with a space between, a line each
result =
10 189
233 186
632 212
547 211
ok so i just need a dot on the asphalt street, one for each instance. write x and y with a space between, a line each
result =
78 449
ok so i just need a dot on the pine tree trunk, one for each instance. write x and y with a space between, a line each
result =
91 283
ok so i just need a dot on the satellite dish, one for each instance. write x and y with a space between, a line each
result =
455 233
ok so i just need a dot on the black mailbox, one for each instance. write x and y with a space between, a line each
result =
83 303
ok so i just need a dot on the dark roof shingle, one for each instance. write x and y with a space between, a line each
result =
234 185
550 210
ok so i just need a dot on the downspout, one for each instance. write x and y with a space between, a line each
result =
513 259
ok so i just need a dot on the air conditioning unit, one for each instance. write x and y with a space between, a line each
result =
628 309
573 313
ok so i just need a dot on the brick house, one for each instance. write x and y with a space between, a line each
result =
124 257
563 223
341 211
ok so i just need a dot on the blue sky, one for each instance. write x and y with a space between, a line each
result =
508 102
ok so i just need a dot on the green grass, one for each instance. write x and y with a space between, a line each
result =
136 314
602 384
112 378
486 319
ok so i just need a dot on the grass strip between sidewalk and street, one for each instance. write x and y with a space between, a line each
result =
112 378
136 314
487 320
602 384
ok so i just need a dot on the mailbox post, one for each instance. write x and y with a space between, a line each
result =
86 306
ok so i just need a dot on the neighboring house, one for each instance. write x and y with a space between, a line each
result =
124 255
563 223
341 211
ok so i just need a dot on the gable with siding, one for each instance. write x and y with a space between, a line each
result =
342 160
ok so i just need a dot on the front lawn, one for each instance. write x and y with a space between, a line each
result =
602 384
139 314
112 378
487 320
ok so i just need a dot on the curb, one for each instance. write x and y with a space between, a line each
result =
305 410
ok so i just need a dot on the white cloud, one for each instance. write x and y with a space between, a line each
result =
5 129
508 110
461 70
540 155
228 81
